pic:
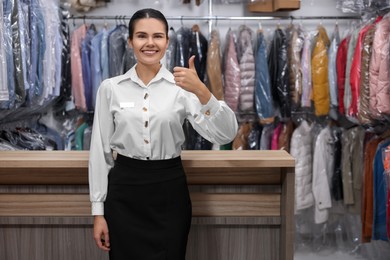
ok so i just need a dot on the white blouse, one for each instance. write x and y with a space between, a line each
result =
146 122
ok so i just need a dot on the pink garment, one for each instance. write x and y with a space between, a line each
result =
379 70
275 137
355 69
232 73
77 38
247 69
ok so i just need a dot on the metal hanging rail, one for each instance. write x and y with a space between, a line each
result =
218 18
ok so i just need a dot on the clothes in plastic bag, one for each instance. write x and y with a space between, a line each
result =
214 66
232 74
380 70
332 70
277 62
364 91
323 163
306 71
254 136
386 166
117 42
319 64
294 49
198 47
240 142
7 19
263 98
301 149
183 36
341 63
4 93
246 60
169 56
379 229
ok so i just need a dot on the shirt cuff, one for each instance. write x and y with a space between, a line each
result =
211 107
97 208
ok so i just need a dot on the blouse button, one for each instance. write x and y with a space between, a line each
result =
146 141
146 96
144 109
207 113
146 124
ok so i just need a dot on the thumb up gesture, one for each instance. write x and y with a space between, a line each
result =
188 79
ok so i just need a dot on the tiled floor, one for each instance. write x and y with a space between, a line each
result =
375 250
330 256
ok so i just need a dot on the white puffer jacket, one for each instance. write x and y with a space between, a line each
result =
301 150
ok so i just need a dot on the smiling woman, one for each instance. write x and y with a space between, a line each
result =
140 200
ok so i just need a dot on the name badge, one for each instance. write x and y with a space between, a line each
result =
126 105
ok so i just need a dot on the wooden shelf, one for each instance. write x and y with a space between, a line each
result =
269 6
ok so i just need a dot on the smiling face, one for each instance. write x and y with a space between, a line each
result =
149 41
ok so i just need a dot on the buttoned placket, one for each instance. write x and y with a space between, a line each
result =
146 124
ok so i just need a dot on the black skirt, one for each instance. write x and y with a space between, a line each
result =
147 209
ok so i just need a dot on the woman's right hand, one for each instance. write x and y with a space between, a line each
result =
100 233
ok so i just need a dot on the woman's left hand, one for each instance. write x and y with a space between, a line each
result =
188 79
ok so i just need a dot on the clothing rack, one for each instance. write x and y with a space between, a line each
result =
217 18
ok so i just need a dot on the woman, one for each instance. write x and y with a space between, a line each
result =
140 200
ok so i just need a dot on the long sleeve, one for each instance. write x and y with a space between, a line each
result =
100 156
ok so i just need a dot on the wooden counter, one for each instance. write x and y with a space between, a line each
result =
243 205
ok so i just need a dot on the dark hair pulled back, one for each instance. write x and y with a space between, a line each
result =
146 13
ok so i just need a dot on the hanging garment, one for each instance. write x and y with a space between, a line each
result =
4 93
380 70
86 65
52 56
379 230
347 86
117 42
18 44
169 56
341 63
364 93
332 71
198 47
352 167
263 99
337 179
96 69
246 60
183 36
66 86
10 104
306 71
214 70
266 137
323 163
231 72
275 136
284 138
77 37
368 189
319 72
240 142
301 150
254 136
295 44
356 70
277 62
